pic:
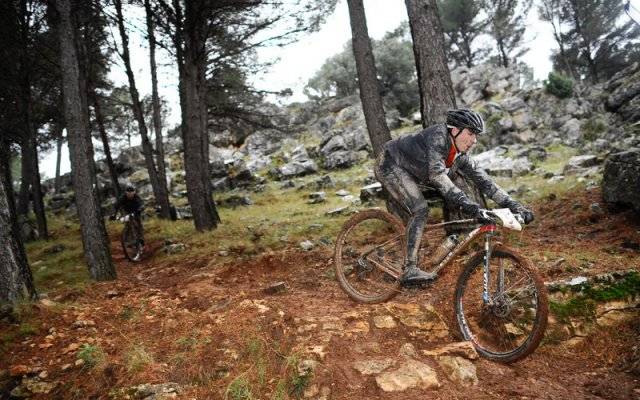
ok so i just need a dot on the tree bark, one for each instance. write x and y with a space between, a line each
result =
24 195
59 139
436 90
367 78
157 119
16 281
194 112
94 235
105 145
159 187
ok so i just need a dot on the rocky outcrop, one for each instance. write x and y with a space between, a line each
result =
624 93
621 180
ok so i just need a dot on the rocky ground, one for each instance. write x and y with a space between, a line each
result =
277 326
253 311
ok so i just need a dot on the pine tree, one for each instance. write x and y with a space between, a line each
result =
507 26
462 26
367 78
599 46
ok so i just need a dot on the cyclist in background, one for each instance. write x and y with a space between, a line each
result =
424 158
131 203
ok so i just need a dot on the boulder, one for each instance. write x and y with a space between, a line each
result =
496 164
513 104
263 142
579 163
459 370
371 192
571 130
299 165
624 93
340 159
411 374
621 179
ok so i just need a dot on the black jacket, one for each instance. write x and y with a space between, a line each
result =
130 206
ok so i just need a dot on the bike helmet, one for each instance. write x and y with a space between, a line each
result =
466 118
130 188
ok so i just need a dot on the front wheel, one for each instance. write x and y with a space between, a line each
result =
369 256
131 242
509 323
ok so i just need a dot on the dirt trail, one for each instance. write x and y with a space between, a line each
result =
205 323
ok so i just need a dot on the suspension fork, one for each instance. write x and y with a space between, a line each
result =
487 257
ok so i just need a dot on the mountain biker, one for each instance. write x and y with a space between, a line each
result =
131 203
424 158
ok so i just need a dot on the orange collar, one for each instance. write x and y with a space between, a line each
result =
452 154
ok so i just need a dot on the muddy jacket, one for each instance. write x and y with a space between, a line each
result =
130 206
423 155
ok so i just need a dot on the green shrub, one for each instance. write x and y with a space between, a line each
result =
92 355
559 85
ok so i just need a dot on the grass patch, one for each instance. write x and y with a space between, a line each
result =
137 358
92 355
239 389
63 269
583 305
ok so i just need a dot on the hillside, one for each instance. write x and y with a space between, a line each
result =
252 310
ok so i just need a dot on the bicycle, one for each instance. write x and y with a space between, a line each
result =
131 238
501 303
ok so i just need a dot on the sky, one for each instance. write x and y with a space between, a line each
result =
298 61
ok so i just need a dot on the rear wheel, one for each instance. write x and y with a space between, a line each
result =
510 325
369 256
130 242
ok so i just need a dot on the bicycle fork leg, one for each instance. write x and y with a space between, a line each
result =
485 281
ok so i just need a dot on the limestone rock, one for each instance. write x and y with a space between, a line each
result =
384 322
411 374
460 349
459 370
621 179
373 366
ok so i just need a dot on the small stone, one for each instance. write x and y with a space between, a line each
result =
275 288
70 348
342 193
175 248
462 349
18 370
112 293
384 322
65 367
223 253
306 245
408 350
47 303
79 362
337 211
459 370
317 197
373 366
43 375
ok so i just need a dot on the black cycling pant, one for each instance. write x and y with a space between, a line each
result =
404 191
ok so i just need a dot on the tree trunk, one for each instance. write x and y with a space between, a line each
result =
24 195
105 145
159 187
504 59
436 90
16 281
59 139
94 235
196 163
367 78
36 191
157 119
